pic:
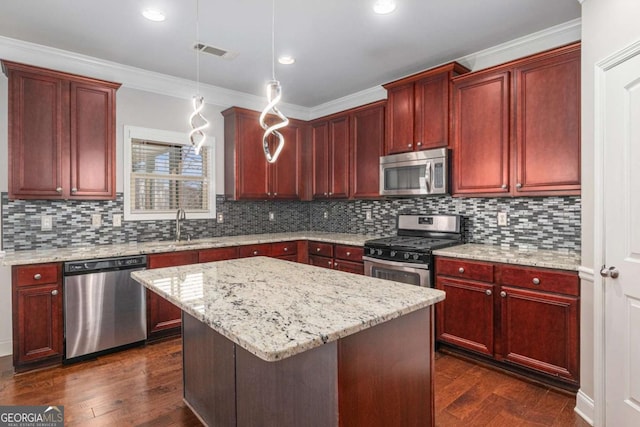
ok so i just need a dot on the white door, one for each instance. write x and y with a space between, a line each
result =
621 197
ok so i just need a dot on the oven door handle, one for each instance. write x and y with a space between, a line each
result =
396 263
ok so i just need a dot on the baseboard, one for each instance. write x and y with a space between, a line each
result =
6 348
6 366
584 407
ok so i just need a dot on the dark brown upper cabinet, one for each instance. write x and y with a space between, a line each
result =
61 135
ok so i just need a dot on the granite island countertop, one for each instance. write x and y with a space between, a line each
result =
276 309
556 259
106 251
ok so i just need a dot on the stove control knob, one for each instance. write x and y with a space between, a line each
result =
406 255
372 251
379 251
393 253
416 256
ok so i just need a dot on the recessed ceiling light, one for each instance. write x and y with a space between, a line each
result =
286 60
154 15
383 7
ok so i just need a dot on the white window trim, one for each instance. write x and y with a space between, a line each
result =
135 132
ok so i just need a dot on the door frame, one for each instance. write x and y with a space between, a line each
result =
599 255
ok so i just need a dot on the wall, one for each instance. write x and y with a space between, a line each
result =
607 27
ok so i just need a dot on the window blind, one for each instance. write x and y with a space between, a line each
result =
165 177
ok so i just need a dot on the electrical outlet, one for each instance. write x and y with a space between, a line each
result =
220 218
117 220
325 214
367 215
46 223
272 216
96 220
502 219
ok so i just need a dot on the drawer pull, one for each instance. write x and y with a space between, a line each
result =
37 276
329 262
74 190
54 292
461 270
536 281
503 294
335 264
317 249
255 252
286 249
488 292
348 253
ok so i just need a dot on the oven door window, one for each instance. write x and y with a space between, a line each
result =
414 277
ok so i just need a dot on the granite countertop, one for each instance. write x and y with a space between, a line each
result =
276 309
106 251
561 260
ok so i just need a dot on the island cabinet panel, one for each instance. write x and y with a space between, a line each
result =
523 318
417 114
61 134
516 127
248 175
163 317
37 306
384 377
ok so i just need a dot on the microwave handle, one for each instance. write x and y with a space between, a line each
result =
427 176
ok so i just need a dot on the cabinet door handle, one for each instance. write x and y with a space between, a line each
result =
325 194
329 263
54 292
488 292
409 145
461 270
330 193
335 264
419 144
275 194
504 186
59 189
255 252
503 294
536 281
74 190
37 276
269 193
317 249
518 185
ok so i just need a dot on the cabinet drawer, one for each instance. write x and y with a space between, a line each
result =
217 254
562 282
350 253
473 270
284 248
322 249
255 250
172 259
37 274
349 266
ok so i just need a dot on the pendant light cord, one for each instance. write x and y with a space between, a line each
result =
273 40
198 47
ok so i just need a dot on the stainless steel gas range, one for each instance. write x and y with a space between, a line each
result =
407 257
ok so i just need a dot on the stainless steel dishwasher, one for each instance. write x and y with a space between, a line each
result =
104 309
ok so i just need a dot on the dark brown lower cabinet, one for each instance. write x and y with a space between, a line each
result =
520 317
337 257
37 315
163 317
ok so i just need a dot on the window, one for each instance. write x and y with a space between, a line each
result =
163 173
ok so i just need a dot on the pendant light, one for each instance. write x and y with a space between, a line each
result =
196 119
274 94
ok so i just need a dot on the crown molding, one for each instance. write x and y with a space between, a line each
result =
137 78
132 77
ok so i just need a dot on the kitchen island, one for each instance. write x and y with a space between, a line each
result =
268 342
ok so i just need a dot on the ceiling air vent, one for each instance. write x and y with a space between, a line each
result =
216 51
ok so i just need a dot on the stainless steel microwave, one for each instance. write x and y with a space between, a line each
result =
419 173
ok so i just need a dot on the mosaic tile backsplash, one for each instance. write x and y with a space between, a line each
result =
544 222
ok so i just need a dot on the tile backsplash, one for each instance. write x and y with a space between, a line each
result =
544 222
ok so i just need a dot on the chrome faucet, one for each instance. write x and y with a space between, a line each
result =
181 215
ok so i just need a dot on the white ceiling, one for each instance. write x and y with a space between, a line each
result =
341 47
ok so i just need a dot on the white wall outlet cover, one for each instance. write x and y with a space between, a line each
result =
367 215
220 217
46 223
96 220
272 216
117 220
325 215
502 219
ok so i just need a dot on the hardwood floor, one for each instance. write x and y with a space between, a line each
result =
143 387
